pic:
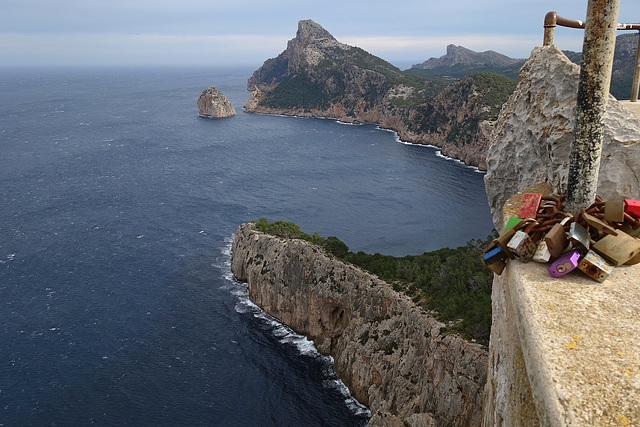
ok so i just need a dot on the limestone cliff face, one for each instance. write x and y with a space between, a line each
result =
532 139
389 352
317 76
212 103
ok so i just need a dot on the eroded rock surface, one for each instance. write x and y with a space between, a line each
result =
212 103
390 353
532 139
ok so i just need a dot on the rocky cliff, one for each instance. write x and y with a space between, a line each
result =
317 76
212 103
390 353
532 139
461 55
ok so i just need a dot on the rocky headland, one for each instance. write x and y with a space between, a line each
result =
212 103
390 353
317 76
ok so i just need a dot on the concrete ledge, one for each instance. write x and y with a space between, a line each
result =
581 343
564 351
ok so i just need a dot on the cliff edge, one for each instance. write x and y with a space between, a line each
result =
390 353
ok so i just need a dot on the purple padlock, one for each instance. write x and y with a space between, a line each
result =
565 264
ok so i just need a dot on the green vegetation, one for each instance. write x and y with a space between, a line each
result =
297 92
454 283
495 88
289 230
458 71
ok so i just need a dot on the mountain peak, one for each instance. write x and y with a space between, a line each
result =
310 30
462 55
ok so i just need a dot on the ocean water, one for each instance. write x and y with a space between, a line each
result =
119 204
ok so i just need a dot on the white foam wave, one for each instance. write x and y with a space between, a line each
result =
284 334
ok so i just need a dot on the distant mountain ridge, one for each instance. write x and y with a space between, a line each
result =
462 55
317 76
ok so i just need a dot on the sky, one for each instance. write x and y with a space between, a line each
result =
247 32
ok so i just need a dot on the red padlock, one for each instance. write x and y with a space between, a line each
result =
632 207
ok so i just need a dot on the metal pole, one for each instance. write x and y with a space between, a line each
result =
593 92
550 20
635 87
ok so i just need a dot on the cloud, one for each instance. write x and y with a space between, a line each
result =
136 49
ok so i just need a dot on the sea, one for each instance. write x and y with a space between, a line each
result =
118 209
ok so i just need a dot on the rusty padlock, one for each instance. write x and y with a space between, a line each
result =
595 266
556 240
565 264
522 246
618 249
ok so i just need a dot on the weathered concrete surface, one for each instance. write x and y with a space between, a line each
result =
564 352
533 135
389 352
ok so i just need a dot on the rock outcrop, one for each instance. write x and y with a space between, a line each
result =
212 103
462 55
390 353
317 76
533 135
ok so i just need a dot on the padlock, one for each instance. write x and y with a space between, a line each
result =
595 266
579 236
530 205
565 264
495 258
600 226
632 207
618 249
556 240
614 210
522 246
542 253
512 222
504 239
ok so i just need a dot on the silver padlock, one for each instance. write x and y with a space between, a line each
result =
579 236
542 253
522 246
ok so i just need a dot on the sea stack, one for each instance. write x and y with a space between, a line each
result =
212 103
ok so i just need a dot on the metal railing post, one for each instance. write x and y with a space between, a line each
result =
593 92
635 87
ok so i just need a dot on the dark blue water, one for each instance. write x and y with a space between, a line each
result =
117 306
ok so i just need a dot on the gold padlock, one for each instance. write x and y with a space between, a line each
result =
556 240
618 249
614 211
598 224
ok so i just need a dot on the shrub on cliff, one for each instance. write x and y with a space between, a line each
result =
289 230
452 282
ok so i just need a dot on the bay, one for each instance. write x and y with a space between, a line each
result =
119 206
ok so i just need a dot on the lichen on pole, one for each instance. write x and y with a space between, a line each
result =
593 92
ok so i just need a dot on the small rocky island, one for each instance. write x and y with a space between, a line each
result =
212 103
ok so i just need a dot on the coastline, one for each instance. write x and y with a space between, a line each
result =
391 354
479 167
